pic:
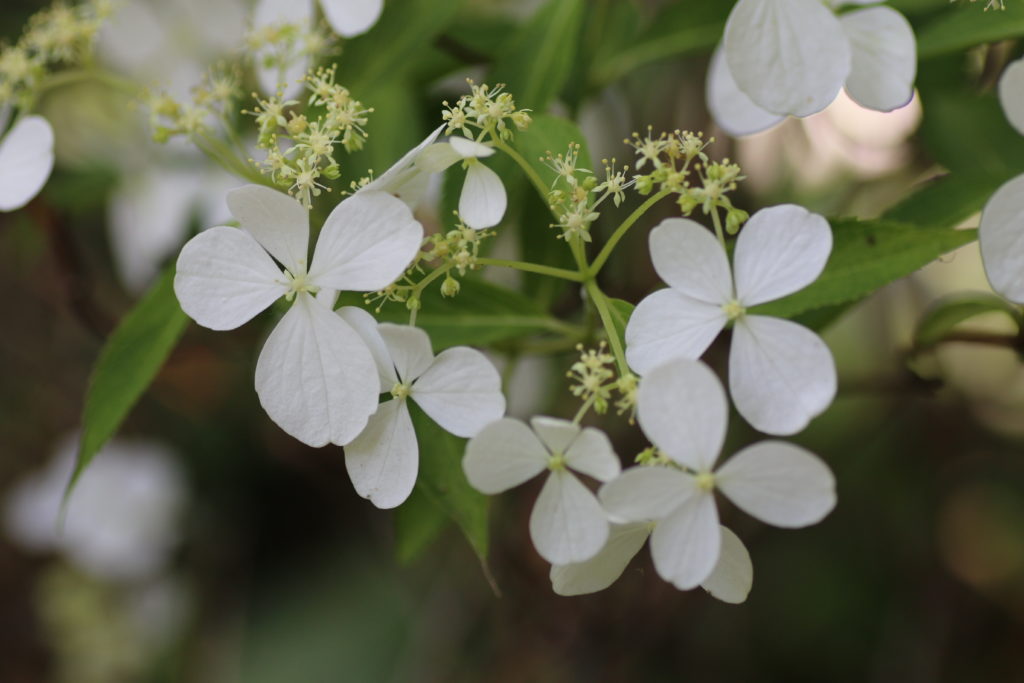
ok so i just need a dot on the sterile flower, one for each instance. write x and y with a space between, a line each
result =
26 159
781 375
406 179
122 518
682 409
483 200
729 581
791 57
1001 233
315 376
459 389
567 523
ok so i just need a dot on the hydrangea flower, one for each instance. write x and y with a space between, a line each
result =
1001 233
26 159
406 179
791 57
729 581
315 376
682 409
781 375
483 200
567 523
459 389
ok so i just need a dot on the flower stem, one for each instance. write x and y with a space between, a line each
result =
718 226
583 410
529 170
551 271
621 231
604 311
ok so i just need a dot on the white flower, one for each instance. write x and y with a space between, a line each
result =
459 389
682 409
315 376
567 524
26 159
406 179
1001 233
122 518
483 200
781 375
729 581
791 57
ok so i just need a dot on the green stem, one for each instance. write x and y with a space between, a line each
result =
223 155
84 75
529 170
551 271
718 226
583 410
604 311
621 231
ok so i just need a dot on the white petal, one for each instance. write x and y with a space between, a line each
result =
733 111
780 250
646 494
437 158
1011 94
483 200
591 453
685 546
789 56
461 391
470 149
779 483
555 433
733 575
278 13
224 278
409 348
682 408
384 459
603 569
781 375
403 172
366 327
277 221
26 159
1001 235
567 523
691 261
315 377
351 17
668 325
502 455
366 243
884 58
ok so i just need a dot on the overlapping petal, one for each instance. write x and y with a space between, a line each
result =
733 575
557 435
1011 94
667 325
567 523
365 326
383 460
732 110
685 546
591 453
483 200
604 569
406 179
1001 236
884 58
461 391
691 261
409 348
26 159
646 494
351 18
277 221
502 455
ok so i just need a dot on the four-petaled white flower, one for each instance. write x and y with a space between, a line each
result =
459 389
791 57
682 409
729 581
483 200
315 377
26 159
1001 234
567 523
781 375
406 179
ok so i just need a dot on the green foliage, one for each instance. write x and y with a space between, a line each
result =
962 27
865 256
549 133
945 202
129 361
418 522
621 313
950 311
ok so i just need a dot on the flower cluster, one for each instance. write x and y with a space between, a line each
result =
485 110
212 100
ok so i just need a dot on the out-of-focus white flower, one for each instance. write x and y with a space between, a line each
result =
682 409
781 375
791 57
483 200
567 524
1001 233
315 376
26 159
459 389
123 516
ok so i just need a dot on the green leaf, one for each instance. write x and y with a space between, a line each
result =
442 481
536 61
129 361
621 312
865 256
549 133
945 202
418 523
950 311
961 27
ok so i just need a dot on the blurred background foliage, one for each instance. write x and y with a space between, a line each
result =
283 574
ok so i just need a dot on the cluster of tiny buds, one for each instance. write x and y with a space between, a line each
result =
575 193
594 382
280 46
60 34
485 109
652 457
214 98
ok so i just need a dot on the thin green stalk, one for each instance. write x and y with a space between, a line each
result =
529 170
583 410
718 226
551 271
604 311
621 231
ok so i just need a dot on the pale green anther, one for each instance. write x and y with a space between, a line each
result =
556 462
705 481
298 284
734 309
401 391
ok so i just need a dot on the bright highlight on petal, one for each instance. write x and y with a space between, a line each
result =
26 159
483 200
